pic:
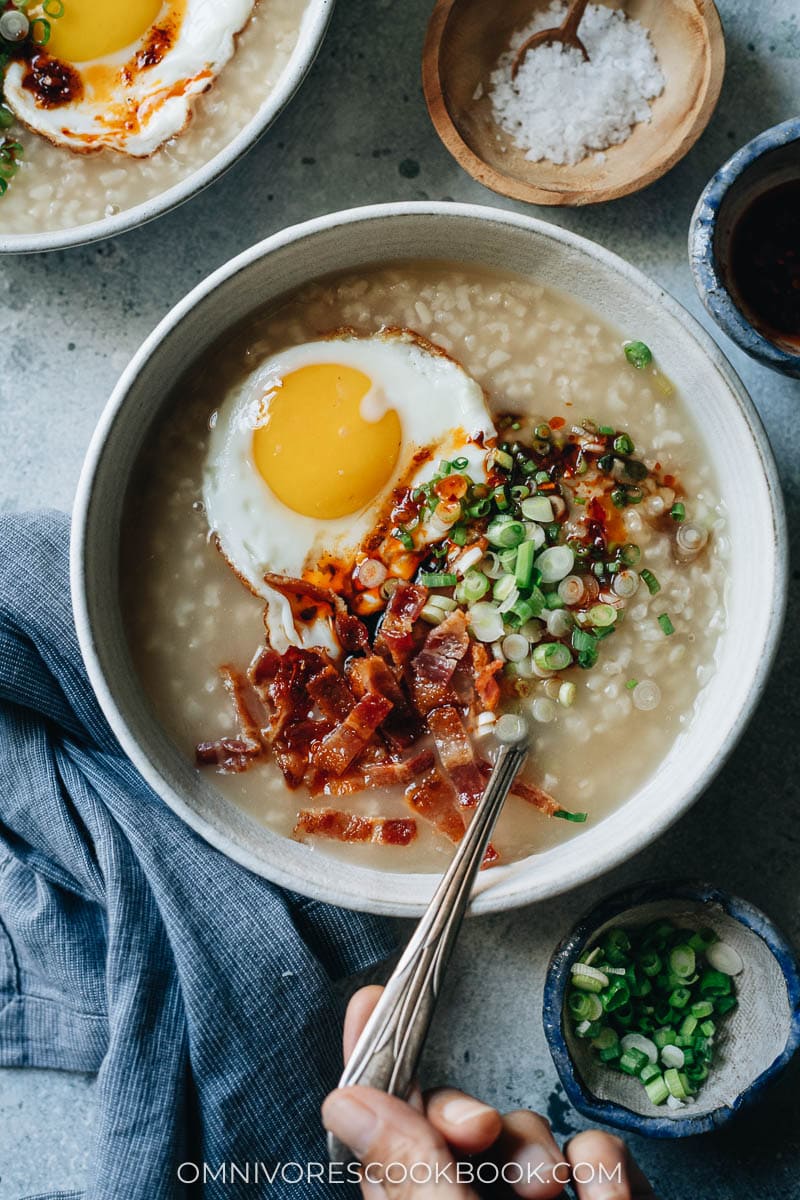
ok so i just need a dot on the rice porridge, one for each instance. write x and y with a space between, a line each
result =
545 363
58 188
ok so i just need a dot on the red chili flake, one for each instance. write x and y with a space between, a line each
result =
669 480
557 422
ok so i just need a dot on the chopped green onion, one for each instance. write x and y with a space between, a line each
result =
460 464
682 961
630 554
503 588
537 508
631 684
632 1062
505 532
653 585
657 1089
606 430
551 656
673 1082
501 459
523 568
565 815
432 615
436 579
724 958
486 622
471 587
580 1004
666 624
481 508
715 983
404 538
623 444
638 355
555 563
602 615
587 978
606 1038
678 512
636 471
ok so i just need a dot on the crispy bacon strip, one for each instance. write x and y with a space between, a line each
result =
432 669
526 791
381 774
283 686
455 754
395 639
292 748
229 754
487 689
348 827
491 858
434 800
331 694
235 754
338 749
237 688
402 727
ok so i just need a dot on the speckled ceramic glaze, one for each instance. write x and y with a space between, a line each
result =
309 39
737 447
771 158
753 1049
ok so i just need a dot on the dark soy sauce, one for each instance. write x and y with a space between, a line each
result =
765 261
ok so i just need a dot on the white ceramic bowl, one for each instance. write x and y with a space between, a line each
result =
735 440
309 39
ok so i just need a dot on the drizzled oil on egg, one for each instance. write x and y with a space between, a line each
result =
122 76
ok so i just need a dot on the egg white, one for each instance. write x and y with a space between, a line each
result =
139 115
439 406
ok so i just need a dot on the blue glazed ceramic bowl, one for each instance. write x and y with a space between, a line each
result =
769 159
756 1042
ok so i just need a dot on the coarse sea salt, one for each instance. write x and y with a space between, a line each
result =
561 107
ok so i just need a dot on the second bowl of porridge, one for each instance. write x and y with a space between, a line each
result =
111 115
397 477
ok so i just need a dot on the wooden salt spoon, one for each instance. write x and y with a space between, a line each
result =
566 33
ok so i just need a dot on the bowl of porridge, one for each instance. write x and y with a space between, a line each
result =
395 477
110 115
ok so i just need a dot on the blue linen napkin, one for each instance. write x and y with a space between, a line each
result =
201 994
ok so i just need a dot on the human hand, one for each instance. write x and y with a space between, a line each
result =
449 1146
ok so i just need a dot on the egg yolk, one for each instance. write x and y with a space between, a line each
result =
90 29
316 451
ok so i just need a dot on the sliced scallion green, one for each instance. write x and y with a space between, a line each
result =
436 579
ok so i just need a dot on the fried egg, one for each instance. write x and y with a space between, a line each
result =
305 454
123 76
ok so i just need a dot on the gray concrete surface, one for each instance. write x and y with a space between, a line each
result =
357 133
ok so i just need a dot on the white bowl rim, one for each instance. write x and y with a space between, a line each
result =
313 26
495 898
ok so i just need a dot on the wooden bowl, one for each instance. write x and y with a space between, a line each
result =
465 39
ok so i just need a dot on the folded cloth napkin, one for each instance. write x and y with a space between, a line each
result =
201 994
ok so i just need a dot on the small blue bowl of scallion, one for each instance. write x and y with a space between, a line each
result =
669 1007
